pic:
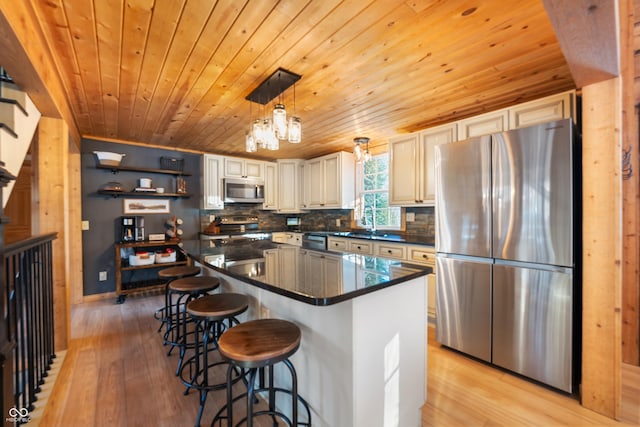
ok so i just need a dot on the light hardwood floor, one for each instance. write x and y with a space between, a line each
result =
116 373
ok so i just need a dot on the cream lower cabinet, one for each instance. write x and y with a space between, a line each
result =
337 244
412 165
322 270
330 181
212 193
414 254
289 238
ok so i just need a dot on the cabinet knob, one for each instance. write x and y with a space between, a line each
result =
389 251
359 247
424 256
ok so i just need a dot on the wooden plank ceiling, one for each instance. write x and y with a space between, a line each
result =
176 72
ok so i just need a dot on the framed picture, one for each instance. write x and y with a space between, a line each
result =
146 206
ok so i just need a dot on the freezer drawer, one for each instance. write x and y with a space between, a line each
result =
463 305
532 323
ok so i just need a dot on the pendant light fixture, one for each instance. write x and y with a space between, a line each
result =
362 154
270 130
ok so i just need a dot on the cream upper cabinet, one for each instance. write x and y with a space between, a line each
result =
212 182
429 138
330 181
412 165
235 167
270 186
549 109
302 194
288 185
403 170
484 124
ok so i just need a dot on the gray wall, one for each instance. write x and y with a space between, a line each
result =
104 212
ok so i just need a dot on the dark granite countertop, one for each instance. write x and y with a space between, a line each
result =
311 276
414 239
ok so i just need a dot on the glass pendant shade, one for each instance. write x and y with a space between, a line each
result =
250 143
280 121
294 130
367 155
256 130
357 151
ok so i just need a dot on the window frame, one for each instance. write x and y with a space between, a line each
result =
360 192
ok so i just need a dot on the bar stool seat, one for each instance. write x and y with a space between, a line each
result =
170 274
210 313
255 345
178 272
186 289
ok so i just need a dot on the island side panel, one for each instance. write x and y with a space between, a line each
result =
324 360
390 354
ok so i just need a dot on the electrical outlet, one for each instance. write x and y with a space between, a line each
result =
212 218
411 216
85 225
338 222
102 276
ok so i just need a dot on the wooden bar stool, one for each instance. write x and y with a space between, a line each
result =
253 346
213 315
185 290
170 274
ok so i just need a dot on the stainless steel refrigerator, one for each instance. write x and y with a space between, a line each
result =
505 250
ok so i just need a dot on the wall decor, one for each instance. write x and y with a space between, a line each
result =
146 206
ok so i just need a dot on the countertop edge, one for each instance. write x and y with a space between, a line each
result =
424 271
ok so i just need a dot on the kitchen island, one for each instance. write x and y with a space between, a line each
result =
362 361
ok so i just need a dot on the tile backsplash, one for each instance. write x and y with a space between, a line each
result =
320 220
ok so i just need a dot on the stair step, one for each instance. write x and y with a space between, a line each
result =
9 90
16 103
9 130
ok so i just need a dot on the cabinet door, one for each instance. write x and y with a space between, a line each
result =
338 245
271 262
332 275
287 186
315 184
402 170
332 182
212 183
360 246
426 160
302 193
484 124
254 169
549 109
270 186
233 167
288 267
390 250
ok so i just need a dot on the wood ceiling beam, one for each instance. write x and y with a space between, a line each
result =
30 64
588 36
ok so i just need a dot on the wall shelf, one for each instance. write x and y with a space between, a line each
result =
141 194
116 169
126 282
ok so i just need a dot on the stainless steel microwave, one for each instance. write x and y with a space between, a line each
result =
243 190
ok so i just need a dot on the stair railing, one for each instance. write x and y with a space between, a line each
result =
29 314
